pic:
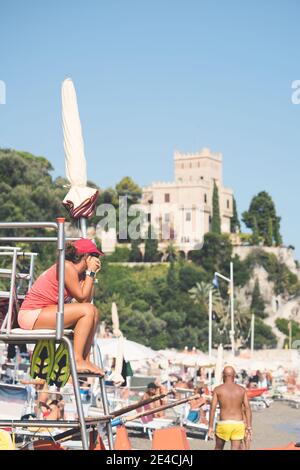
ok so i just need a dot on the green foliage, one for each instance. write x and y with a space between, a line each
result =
262 213
263 335
241 272
171 252
121 255
127 187
189 274
257 302
216 218
171 277
285 281
215 254
27 189
135 254
151 247
283 326
164 305
269 238
109 196
276 231
28 193
200 295
234 221
145 325
255 239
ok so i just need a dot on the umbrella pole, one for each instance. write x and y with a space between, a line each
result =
83 227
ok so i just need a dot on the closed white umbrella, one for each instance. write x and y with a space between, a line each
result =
116 376
80 200
115 320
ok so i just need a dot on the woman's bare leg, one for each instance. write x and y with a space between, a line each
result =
81 316
90 340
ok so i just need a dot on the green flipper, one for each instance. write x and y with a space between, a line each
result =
42 359
61 369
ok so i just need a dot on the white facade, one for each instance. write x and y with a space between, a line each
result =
181 210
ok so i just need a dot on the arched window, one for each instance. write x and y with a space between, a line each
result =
205 198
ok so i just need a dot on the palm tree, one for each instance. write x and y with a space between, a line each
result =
200 295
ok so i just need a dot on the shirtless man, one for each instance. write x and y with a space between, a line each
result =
154 389
234 405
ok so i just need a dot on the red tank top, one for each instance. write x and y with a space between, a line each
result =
44 291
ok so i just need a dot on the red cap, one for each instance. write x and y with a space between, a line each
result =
84 245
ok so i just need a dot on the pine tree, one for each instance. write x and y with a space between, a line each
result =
151 247
257 302
135 254
261 210
255 235
216 219
269 237
234 221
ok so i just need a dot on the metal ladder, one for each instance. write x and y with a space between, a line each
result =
18 336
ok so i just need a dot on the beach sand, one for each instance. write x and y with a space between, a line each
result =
274 426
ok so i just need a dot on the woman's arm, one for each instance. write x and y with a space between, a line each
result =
92 294
82 292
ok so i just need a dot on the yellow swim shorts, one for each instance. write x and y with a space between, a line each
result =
231 430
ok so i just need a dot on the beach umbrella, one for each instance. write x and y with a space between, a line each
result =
80 200
132 351
192 359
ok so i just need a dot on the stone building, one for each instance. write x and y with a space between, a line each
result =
181 211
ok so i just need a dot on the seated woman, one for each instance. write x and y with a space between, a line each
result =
39 308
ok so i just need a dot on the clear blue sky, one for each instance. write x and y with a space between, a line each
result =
157 75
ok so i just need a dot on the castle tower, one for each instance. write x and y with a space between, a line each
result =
183 208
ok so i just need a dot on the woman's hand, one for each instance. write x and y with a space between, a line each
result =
93 264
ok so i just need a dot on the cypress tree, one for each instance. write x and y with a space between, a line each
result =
234 221
257 302
216 219
151 247
135 254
